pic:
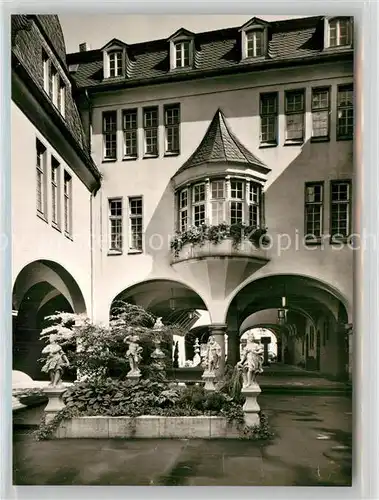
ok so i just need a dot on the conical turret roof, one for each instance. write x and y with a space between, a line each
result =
220 145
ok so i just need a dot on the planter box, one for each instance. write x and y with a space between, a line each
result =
223 249
147 427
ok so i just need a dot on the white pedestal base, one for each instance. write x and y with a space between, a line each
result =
134 375
251 407
55 403
209 378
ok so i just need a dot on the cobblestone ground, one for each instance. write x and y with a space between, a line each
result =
312 447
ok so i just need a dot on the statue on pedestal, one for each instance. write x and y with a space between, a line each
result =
158 325
56 361
251 361
213 355
196 359
134 355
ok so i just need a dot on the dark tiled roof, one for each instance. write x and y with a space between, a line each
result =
220 145
215 50
53 30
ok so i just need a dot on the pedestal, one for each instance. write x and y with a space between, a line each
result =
134 375
158 357
251 407
209 378
55 403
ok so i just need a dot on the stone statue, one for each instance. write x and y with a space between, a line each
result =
196 359
56 361
134 354
251 361
158 325
213 355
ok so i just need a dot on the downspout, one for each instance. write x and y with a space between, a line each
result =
92 195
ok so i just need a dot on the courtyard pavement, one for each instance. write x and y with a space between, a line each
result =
312 447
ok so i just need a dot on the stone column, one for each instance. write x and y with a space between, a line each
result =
218 332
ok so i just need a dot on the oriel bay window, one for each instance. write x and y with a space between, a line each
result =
220 201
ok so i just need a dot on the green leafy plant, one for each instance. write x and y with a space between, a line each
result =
215 234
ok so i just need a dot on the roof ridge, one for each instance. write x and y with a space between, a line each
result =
220 113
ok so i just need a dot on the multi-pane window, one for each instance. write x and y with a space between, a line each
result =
110 135
345 112
182 54
55 199
218 201
135 223
53 84
294 109
198 204
115 224
61 96
129 125
254 205
255 43
269 117
115 63
340 194
320 113
67 193
236 205
172 128
314 199
183 210
340 32
150 126
40 179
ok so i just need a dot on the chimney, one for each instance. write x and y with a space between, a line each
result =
83 47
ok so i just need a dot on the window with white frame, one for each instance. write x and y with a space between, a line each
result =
55 192
182 54
135 223
130 129
218 197
67 194
110 135
218 201
320 113
198 204
345 112
115 224
314 207
183 210
172 128
53 84
340 32
115 63
255 43
41 178
269 117
294 110
340 211
150 128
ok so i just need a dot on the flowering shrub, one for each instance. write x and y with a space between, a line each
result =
199 235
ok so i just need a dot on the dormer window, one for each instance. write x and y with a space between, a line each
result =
115 59
182 54
254 39
339 32
255 43
115 63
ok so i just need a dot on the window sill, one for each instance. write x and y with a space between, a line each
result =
149 156
42 216
320 139
56 227
265 145
169 153
134 251
130 158
68 236
114 252
298 142
252 59
181 68
109 160
344 138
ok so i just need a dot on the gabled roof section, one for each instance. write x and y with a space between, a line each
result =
113 42
254 21
220 145
181 32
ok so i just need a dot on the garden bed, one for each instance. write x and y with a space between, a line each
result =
149 426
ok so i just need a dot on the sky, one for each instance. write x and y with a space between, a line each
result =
97 30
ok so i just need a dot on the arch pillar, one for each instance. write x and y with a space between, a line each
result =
218 331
